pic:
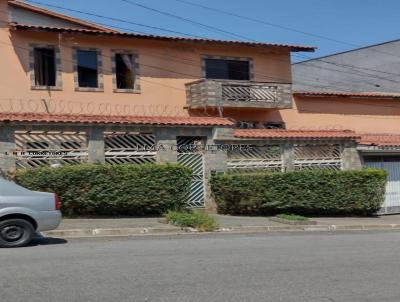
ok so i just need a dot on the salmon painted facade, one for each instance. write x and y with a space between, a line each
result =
95 94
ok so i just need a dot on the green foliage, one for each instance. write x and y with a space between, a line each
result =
194 219
314 192
292 217
106 190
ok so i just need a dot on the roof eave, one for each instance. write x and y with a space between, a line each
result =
347 95
29 27
53 14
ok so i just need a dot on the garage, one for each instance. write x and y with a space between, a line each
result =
390 163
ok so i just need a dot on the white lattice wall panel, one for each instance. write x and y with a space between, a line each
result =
255 159
308 157
132 148
252 93
44 148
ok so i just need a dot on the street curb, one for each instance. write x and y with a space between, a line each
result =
82 233
120 232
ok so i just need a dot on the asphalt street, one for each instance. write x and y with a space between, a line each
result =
286 267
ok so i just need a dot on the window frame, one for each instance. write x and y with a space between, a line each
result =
58 74
135 57
213 57
100 82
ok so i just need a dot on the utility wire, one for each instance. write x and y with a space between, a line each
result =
200 24
319 86
209 27
164 69
159 11
264 22
268 77
290 29
114 19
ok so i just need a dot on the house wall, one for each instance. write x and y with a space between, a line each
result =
165 67
329 113
360 115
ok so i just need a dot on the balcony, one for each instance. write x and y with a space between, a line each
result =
238 94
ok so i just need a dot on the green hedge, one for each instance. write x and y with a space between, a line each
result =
121 190
315 192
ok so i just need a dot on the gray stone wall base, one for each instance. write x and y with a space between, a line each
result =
165 140
288 157
351 157
7 147
96 145
215 162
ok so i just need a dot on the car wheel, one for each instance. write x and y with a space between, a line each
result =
15 233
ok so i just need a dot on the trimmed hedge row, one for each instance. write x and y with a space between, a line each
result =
121 190
314 192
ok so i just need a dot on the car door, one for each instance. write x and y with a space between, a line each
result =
16 196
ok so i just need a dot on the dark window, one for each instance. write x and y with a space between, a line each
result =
246 125
45 67
274 125
87 68
125 71
227 69
380 158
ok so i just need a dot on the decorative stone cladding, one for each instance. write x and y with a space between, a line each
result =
100 82
239 94
32 67
136 71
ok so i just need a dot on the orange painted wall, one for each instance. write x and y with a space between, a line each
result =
335 113
361 115
165 67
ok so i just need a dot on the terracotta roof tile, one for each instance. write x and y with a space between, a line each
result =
388 140
282 134
349 94
103 119
157 37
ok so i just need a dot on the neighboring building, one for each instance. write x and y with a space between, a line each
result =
73 91
357 90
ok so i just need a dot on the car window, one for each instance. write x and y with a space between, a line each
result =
8 188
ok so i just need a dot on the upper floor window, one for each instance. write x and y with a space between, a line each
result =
227 69
125 71
44 66
88 69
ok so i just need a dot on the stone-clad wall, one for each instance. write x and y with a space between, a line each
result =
209 93
215 161
7 146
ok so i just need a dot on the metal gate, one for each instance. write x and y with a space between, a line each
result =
392 165
194 159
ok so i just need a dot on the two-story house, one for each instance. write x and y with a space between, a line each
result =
72 91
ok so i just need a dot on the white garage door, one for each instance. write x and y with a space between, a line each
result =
392 165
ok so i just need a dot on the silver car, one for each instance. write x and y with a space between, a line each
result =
24 212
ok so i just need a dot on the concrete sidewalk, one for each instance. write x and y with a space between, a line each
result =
233 224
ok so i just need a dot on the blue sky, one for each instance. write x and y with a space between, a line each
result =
353 22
